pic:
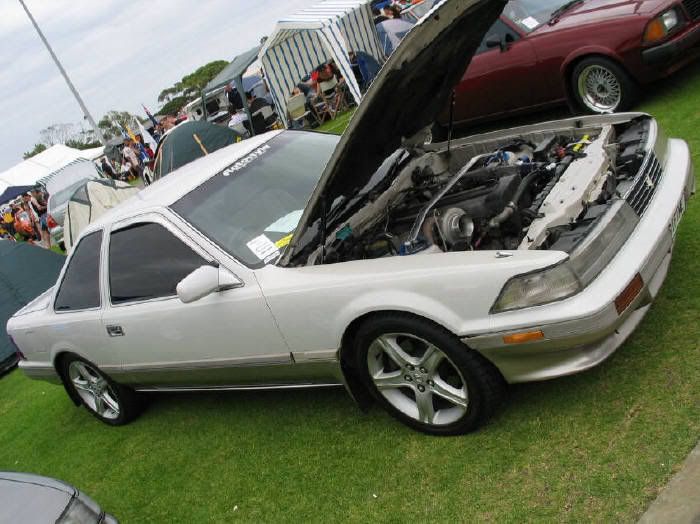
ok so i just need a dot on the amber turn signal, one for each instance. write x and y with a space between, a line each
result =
656 30
519 338
628 294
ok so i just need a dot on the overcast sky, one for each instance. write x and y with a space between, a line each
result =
118 53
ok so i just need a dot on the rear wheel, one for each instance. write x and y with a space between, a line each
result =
425 377
601 86
104 399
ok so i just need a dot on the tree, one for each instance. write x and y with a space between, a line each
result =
57 134
187 89
38 148
110 122
174 105
195 82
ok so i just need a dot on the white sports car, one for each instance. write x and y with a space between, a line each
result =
424 276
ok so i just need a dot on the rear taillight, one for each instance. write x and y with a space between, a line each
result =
20 355
51 222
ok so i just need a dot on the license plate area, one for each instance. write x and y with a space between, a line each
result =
676 218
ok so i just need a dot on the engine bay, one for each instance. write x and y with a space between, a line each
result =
543 190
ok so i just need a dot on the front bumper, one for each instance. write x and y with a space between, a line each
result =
677 51
588 328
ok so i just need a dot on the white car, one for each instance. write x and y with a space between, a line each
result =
424 276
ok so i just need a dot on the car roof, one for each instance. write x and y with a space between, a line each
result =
37 480
31 498
169 189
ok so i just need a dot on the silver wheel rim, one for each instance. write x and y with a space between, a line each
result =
93 389
417 378
599 89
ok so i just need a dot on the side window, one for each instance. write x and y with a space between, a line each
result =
147 261
80 287
500 29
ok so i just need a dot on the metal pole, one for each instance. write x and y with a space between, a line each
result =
87 114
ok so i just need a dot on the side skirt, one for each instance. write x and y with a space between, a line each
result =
184 389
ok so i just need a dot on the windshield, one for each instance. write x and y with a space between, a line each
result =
251 208
528 15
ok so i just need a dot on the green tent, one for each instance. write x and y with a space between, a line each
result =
188 142
26 271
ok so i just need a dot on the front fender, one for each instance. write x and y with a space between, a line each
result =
313 306
587 50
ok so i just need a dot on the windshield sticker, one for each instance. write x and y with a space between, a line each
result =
286 224
530 22
263 248
256 153
284 241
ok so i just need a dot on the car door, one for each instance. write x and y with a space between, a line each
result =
76 326
500 77
225 338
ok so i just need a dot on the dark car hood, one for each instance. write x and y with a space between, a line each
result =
409 92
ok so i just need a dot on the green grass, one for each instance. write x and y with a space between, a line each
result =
594 447
338 124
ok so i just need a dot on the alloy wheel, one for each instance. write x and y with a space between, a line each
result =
600 89
417 378
94 390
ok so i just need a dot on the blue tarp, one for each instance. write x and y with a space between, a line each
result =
13 192
26 271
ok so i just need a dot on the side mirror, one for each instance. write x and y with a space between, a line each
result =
204 281
494 40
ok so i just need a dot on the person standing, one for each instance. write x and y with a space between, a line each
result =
40 206
107 169
132 158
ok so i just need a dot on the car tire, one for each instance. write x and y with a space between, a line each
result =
601 86
106 400
424 376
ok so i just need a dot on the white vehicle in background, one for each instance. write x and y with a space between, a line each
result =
215 102
423 276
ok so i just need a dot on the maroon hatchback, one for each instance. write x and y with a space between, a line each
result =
593 54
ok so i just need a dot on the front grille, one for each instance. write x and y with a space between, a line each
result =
644 185
693 8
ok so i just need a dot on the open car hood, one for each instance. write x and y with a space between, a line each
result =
405 98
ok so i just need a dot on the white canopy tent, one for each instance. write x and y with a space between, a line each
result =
313 36
30 171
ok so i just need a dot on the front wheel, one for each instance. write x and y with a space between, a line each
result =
104 399
425 377
601 86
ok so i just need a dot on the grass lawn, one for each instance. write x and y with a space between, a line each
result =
596 447
338 124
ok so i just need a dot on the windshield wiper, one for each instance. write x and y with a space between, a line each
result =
563 9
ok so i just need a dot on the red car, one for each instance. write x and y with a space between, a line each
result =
593 54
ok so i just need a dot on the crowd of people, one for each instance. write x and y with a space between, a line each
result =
27 218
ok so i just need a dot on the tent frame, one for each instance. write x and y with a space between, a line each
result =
325 20
234 73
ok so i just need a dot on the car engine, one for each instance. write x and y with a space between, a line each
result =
540 191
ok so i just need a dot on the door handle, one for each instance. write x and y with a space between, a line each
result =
115 331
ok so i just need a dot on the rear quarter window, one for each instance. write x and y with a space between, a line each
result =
80 287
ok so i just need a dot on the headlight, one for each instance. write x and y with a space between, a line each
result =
660 27
586 262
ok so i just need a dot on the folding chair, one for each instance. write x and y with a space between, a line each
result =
296 108
333 95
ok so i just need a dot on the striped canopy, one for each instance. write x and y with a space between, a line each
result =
313 36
